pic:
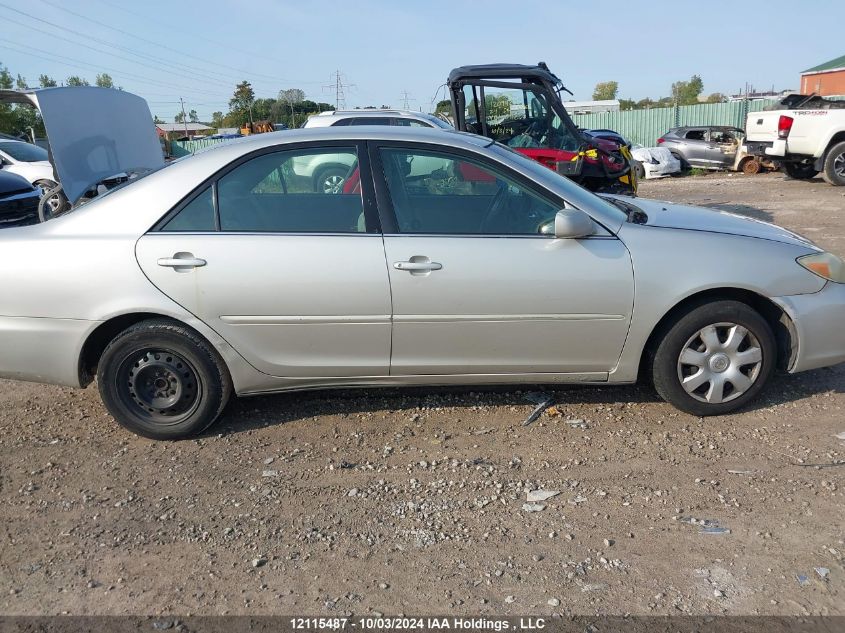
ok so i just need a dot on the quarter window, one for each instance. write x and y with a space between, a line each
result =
294 191
197 215
447 194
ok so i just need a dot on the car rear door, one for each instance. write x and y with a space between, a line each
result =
291 275
477 289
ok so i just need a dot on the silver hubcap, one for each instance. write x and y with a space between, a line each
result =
719 363
839 165
332 184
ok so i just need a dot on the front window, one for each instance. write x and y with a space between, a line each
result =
518 118
24 152
443 193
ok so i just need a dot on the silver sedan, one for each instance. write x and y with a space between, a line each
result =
439 258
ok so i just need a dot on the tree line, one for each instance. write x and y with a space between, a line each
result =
23 120
682 93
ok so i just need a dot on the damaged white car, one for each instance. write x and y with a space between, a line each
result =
654 162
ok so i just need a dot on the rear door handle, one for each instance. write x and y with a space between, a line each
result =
181 262
417 266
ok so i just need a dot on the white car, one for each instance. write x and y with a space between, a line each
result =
29 161
328 172
654 162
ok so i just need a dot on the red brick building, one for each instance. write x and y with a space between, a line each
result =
825 79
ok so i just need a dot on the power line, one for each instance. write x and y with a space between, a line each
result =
164 46
102 52
186 32
69 61
157 60
339 90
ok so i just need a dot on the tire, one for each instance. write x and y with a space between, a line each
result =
639 170
330 179
799 171
691 338
161 380
834 165
750 166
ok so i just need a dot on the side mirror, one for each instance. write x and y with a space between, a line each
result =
570 224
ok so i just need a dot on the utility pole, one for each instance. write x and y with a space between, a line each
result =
184 116
406 99
339 90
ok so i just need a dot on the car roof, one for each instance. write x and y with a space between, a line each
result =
354 133
369 112
501 71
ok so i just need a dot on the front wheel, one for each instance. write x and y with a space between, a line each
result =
799 171
834 165
639 169
330 179
161 380
714 359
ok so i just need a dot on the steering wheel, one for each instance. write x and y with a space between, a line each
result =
497 209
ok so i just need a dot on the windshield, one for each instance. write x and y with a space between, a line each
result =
519 118
437 121
566 188
24 152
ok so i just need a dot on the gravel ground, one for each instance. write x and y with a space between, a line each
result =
415 501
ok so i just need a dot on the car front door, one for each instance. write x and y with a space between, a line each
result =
478 288
722 148
290 274
695 145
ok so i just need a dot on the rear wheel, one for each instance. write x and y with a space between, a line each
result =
750 166
714 359
799 171
161 380
834 165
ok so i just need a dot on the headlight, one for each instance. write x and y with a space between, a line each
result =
825 265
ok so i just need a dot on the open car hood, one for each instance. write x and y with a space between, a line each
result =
94 133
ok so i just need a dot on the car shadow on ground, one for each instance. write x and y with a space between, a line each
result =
741 209
257 412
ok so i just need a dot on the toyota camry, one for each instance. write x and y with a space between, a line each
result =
436 258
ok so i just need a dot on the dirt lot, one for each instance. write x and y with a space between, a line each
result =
411 501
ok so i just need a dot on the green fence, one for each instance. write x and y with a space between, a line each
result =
646 126
638 126
185 148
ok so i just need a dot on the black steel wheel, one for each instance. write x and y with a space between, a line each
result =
162 386
161 380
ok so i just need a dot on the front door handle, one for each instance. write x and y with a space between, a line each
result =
181 262
417 266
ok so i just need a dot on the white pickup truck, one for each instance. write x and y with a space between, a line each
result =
806 134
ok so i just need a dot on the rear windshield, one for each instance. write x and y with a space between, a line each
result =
24 152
